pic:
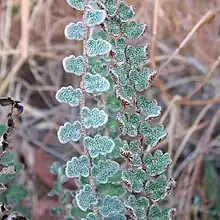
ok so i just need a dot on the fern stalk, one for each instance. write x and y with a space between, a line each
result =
114 74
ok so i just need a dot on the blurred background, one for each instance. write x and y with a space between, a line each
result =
184 40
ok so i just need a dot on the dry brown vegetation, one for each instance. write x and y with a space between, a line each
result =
184 39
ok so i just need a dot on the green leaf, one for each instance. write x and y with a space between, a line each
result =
115 217
104 170
149 108
126 93
155 213
96 83
77 167
56 211
55 190
119 145
94 17
97 47
121 73
94 118
55 167
138 205
68 218
90 216
85 198
133 29
125 12
100 145
111 7
141 78
129 124
64 197
69 95
76 211
118 47
74 31
23 210
8 178
15 194
157 163
63 179
69 132
116 178
8 158
72 64
136 55
211 179
135 179
99 34
111 189
135 149
113 26
112 125
153 134
3 129
113 103
77 4
159 188
98 66
111 206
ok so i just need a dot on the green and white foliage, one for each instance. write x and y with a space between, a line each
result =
117 174
111 206
111 189
159 188
96 83
118 47
99 145
135 179
115 217
97 47
85 198
141 78
98 34
133 29
74 64
157 163
125 12
155 213
135 149
136 55
98 66
69 95
77 4
113 26
138 206
126 93
150 109
129 124
104 170
90 216
153 133
77 167
119 145
94 118
111 7
69 132
121 73
94 17
74 31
